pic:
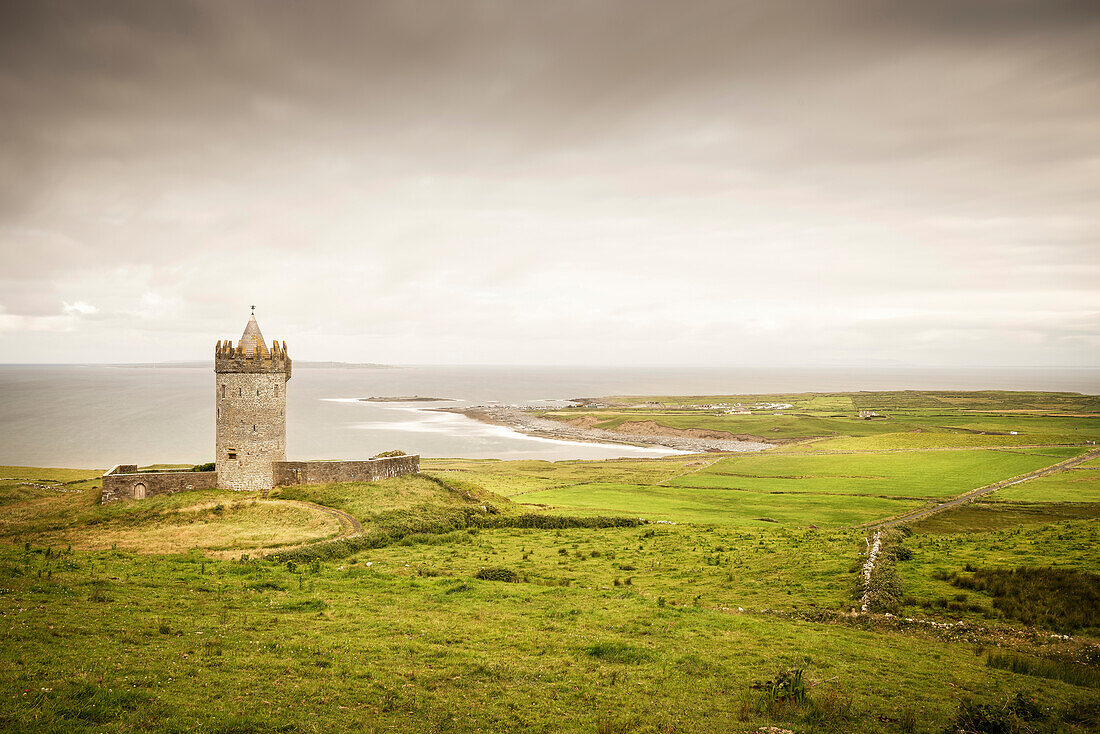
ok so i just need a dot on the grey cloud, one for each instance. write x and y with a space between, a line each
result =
446 165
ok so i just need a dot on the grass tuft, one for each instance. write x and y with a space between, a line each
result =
617 652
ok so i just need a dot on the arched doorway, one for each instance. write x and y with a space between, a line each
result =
139 491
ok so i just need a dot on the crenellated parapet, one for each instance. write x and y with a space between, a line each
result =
229 358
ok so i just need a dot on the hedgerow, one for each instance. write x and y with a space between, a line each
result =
390 530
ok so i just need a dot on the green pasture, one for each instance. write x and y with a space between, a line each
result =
786 426
909 419
992 514
1056 452
824 489
510 478
897 400
720 506
1078 428
19 484
721 566
1073 485
113 641
173 613
502 482
1066 543
927 474
32 473
925 440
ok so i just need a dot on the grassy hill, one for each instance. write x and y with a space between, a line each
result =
685 594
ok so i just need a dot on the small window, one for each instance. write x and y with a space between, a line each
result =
223 389
219 412
231 453
257 392
253 427
240 391
276 390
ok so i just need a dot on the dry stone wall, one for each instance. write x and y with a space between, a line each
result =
323 472
124 482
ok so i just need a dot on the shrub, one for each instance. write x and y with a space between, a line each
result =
208 466
1013 717
789 686
497 574
387 454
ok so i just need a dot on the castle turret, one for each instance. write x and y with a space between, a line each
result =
251 409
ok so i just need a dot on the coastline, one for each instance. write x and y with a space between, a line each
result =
533 425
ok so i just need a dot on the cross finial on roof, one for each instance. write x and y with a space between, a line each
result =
253 309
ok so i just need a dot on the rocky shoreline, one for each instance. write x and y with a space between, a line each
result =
405 399
532 425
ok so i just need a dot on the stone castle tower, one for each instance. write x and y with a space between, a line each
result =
251 409
251 445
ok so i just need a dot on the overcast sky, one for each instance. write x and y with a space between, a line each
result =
553 182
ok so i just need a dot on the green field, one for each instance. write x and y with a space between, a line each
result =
905 420
680 594
914 474
720 506
750 489
1075 485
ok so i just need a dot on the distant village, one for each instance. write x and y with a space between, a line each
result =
717 408
729 408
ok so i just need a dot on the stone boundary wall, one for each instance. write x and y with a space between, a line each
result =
124 482
323 472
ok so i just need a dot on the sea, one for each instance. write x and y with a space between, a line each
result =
96 416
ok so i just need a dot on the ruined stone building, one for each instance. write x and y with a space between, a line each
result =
250 447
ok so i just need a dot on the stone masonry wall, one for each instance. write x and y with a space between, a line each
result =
251 422
323 472
125 483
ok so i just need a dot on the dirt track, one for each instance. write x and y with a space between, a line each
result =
348 524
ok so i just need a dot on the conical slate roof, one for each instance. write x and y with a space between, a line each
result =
252 340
